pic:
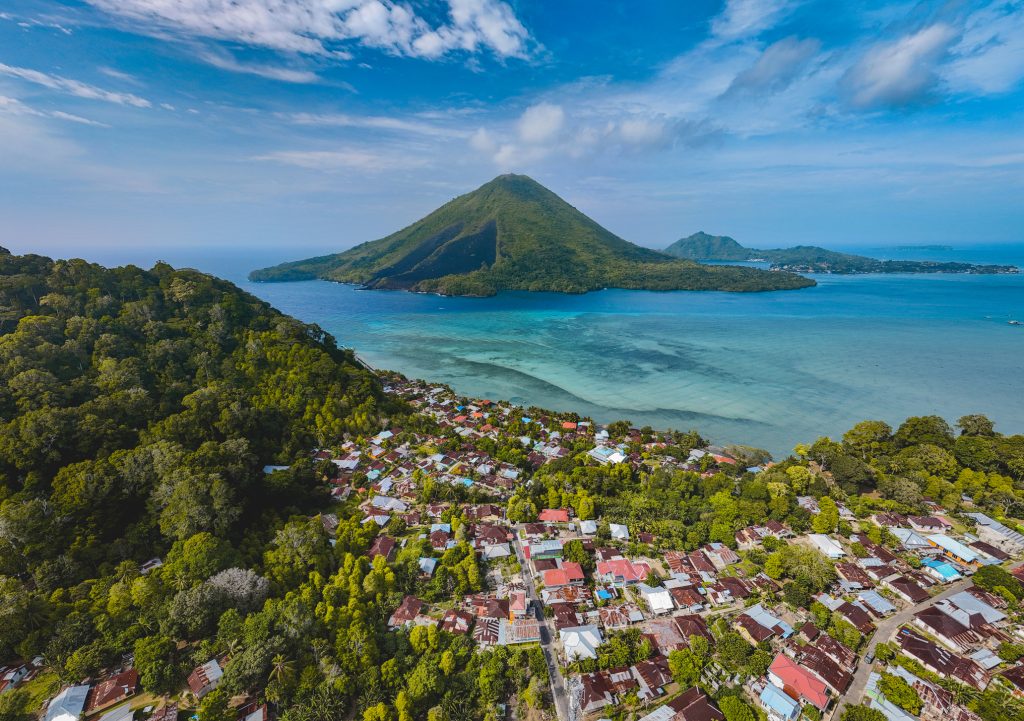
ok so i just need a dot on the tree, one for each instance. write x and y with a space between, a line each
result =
975 425
867 438
862 713
899 692
992 577
924 429
214 706
154 660
14 706
827 520
685 667
734 709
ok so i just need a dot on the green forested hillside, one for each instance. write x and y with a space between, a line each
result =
514 234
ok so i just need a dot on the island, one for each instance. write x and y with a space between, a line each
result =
512 233
208 509
813 259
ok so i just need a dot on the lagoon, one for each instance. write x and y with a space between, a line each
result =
764 369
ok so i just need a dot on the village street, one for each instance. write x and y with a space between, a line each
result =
548 636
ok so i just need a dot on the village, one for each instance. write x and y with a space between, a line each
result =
627 627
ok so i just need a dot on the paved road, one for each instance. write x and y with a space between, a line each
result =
884 631
547 636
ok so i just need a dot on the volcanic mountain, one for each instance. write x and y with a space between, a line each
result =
514 234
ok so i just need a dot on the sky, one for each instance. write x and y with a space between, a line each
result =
298 126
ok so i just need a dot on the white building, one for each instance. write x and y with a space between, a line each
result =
68 704
829 546
657 598
580 641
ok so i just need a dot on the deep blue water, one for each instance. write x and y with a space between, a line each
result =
765 369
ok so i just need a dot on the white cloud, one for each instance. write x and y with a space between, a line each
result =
989 58
747 18
778 65
225 61
73 87
541 123
900 72
316 27
373 122
341 159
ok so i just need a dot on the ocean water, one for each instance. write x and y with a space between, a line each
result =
764 369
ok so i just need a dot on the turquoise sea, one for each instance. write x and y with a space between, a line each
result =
764 369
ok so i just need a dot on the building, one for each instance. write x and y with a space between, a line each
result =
622 571
406 612
553 515
205 678
112 690
948 630
657 598
942 661
68 704
691 705
954 550
994 532
778 705
618 531
580 641
595 692
828 546
798 682
756 625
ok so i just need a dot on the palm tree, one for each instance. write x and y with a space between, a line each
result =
282 670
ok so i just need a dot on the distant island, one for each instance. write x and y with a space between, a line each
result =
512 233
812 259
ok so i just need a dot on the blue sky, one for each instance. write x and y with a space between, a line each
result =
293 126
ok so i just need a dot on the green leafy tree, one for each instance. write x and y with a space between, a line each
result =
899 692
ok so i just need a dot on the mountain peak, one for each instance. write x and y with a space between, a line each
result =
512 233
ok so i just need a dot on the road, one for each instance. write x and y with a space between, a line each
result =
547 636
883 632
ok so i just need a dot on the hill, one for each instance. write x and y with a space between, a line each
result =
701 246
514 234
814 259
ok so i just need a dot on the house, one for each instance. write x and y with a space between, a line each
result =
941 661
940 570
427 566
652 676
595 692
456 621
588 528
910 540
928 524
970 610
657 598
518 604
691 624
618 531
580 642
441 541
1015 678
205 678
994 532
382 546
828 546
686 598
553 515
954 550
544 549
824 667
838 652
520 630
906 589
113 690
569 574
691 705
798 682
876 603
485 633
406 612
721 556
854 576
168 712
613 617
756 624
68 704
622 571
11 676
777 704
857 616
946 629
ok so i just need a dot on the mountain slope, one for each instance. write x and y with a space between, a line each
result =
514 234
814 259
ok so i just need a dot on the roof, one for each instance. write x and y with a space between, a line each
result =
68 704
580 641
406 612
554 515
204 676
953 546
774 699
766 620
114 688
799 680
826 545
971 605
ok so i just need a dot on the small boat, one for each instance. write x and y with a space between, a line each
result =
1015 322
